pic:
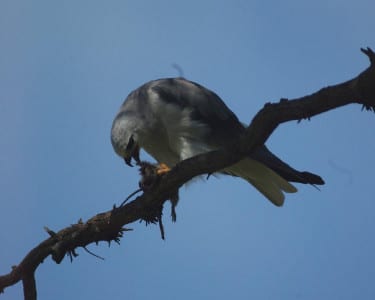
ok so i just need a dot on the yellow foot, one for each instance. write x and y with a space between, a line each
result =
162 169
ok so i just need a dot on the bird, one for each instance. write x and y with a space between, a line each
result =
173 119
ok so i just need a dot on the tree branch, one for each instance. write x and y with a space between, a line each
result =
108 226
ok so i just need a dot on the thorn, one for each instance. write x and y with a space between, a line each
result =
267 104
75 254
370 54
127 229
50 232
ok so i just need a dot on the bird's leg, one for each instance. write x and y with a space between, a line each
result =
161 227
174 200
162 168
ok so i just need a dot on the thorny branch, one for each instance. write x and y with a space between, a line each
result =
109 226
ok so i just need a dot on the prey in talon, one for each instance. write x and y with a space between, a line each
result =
150 174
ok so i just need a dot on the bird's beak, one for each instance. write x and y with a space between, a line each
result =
133 154
128 160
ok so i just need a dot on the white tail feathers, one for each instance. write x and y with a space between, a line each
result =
266 181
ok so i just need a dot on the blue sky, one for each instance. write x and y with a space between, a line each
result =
65 68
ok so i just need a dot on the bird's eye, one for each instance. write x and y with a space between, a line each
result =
130 145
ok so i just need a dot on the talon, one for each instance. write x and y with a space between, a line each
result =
162 169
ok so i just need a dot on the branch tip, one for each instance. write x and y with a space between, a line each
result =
93 254
49 231
370 54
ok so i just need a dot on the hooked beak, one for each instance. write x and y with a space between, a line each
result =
133 154
128 160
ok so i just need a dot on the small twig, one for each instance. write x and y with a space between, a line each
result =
370 54
49 231
92 253
72 253
131 195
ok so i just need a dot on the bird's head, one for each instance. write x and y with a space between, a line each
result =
124 137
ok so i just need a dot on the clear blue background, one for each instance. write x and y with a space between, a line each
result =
65 68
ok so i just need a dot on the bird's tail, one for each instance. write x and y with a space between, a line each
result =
265 180
265 156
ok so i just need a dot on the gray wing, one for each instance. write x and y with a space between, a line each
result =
206 107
